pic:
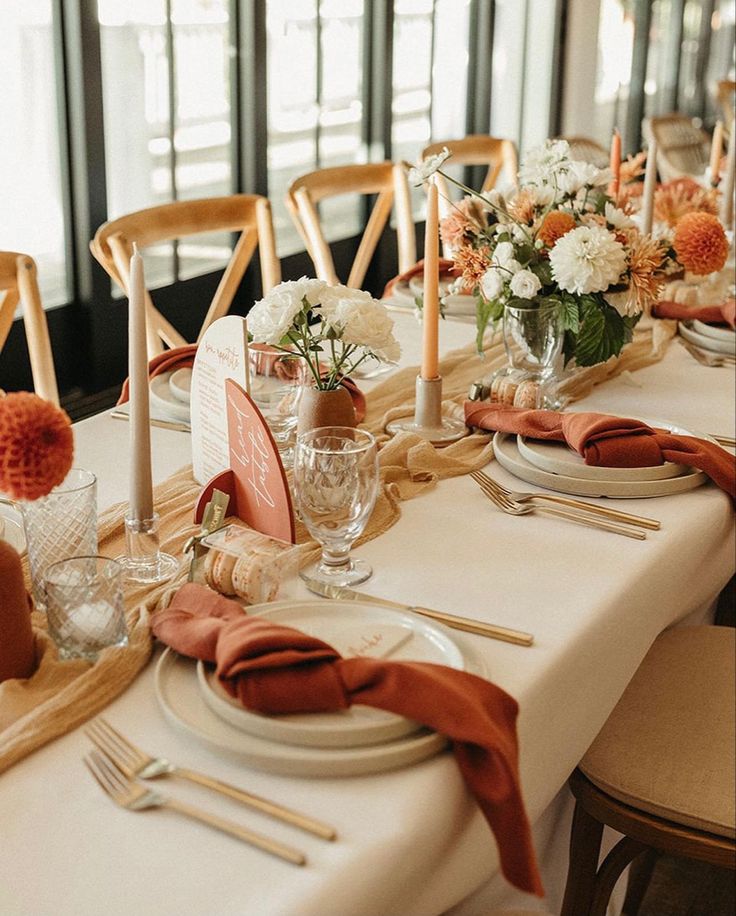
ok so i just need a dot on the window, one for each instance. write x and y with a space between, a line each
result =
30 155
315 107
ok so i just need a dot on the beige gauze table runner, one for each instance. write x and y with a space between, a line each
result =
61 695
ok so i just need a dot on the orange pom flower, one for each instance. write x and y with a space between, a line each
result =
700 243
36 446
554 225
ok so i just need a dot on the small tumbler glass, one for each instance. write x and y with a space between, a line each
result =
59 525
275 388
84 605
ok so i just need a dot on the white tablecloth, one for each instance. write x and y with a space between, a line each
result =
411 841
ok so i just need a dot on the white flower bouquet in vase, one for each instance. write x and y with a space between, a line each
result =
334 329
559 264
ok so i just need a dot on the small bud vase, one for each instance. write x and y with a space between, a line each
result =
325 408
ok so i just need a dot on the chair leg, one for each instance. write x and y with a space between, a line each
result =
640 874
610 871
585 845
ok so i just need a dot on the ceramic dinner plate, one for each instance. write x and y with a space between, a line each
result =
181 701
180 384
716 331
164 400
353 628
559 458
687 330
11 528
403 297
506 451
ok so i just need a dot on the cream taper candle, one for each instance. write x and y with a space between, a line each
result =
726 213
141 486
716 151
431 304
650 186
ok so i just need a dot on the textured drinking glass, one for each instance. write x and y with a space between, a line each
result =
533 338
62 524
276 381
84 606
335 484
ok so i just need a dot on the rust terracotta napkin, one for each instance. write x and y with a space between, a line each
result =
183 358
275 669
606 441
17 642
177 358
710 314
447 269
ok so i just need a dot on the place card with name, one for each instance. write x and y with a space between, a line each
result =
254 479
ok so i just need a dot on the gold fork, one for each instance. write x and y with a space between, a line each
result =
615 514
510 507
133 795
132 761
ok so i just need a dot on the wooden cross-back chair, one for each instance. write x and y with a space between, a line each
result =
249 214
384 179
19 283
727 101
682 147
477 149
583 149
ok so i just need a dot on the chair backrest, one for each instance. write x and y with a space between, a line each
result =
384 179
586 150
682 148
727 102
478 149
249 214
19 283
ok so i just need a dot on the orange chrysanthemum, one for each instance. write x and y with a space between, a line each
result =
700 243
472 263
36 446
467 217
683 195
554 225
522 206
632 168
645 262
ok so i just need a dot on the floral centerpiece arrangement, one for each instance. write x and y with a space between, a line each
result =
560 240
333 328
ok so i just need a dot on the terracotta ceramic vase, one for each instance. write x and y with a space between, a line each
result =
325 408
17 643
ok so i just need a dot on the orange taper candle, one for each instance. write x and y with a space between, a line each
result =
616 162
431 305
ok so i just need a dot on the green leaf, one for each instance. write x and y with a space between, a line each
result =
570 314
485 311
543 269
601 334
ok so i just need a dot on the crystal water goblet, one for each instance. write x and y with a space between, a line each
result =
335 484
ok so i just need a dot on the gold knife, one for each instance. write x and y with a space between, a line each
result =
504 634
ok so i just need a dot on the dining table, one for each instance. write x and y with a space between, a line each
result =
411 841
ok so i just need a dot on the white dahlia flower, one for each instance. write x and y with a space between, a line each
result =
587 260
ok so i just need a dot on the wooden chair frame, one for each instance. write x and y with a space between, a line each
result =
602 155
19 280
726 96
249 214
660 127
589 885
384 179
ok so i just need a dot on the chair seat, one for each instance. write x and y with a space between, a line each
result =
668 746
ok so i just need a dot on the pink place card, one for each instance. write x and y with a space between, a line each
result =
255 481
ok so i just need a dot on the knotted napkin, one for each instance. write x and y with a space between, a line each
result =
446 269
176 358
710 314
183 358
275 669
606 441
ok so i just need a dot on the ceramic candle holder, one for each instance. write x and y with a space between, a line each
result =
428 420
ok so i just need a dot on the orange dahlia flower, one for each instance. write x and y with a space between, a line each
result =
36 445
554 225
700 243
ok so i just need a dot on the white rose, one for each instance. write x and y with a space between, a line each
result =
364 323
503 253
271 317
525 284
331 295
492 283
